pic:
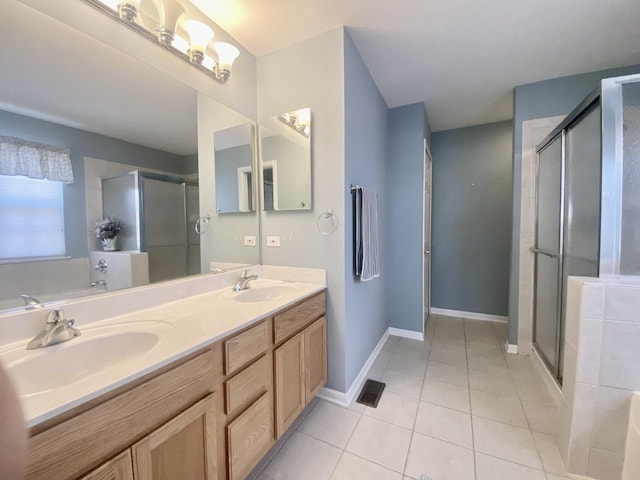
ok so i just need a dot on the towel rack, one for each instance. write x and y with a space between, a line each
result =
353 188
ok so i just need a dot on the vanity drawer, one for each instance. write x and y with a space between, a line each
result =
296 318
249 437
245 347
247 385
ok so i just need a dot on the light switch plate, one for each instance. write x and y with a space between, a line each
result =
273 241
250 240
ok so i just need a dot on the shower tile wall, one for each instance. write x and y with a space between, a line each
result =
601 359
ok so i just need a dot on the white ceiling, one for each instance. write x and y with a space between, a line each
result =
462 58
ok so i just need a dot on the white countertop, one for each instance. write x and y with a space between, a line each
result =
167 333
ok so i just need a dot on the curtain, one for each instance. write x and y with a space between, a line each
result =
35 160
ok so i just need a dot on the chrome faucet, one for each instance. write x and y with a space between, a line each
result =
30 302
243 282
57 329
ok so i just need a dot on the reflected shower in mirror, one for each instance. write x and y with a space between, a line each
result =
285 146
149 127
234 169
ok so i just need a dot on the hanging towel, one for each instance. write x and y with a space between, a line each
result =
366 235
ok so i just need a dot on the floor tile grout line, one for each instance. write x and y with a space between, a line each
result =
362 414
531 431
275 453
473 436
415 419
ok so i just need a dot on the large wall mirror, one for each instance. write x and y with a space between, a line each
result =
285 147
131 135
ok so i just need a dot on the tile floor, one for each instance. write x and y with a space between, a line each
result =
455 408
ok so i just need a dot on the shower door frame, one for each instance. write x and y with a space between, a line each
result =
141 175
555 369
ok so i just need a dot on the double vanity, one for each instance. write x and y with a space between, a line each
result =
201 387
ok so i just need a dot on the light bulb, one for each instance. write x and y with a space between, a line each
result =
227 53
304 116
169 11
200 35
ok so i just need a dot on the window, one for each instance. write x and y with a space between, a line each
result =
31 218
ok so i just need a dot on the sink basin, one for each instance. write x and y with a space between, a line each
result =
262 294
73 361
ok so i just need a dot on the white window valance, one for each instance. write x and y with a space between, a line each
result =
35 160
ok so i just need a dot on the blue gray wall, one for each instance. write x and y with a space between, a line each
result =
227 163
548 98
471 218
293 165
365 145
85 144
404 185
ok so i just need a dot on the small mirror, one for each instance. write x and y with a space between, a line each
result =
234 169
285 143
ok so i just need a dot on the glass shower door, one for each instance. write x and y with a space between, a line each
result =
547 287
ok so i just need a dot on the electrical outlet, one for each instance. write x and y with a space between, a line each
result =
250 240
273 241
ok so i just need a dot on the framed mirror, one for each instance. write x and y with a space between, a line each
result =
131 133
285 149
234 169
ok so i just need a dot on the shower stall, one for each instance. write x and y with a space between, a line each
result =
588 205
159 213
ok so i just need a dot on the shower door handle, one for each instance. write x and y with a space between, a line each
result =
544 252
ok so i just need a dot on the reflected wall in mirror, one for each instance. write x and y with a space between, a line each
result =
230 240
285 146
234 169
119 118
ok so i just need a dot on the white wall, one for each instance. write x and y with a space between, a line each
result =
311 74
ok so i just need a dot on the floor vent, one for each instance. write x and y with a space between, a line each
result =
371 393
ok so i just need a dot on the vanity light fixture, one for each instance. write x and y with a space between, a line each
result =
128 10
299 120
167 16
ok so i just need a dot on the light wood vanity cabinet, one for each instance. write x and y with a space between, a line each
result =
120 468
315 357
289 377
212 416
300 363
184 447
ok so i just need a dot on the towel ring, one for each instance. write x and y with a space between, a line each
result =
203 222
327 222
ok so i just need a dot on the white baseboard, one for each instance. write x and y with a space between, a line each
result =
469 315
510 348
400 332
345 399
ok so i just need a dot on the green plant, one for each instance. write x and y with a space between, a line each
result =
109 227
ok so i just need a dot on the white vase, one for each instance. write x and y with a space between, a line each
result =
109 244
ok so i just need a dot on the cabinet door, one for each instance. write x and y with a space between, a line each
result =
289 372
315 357
183 448
119 468
249 437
